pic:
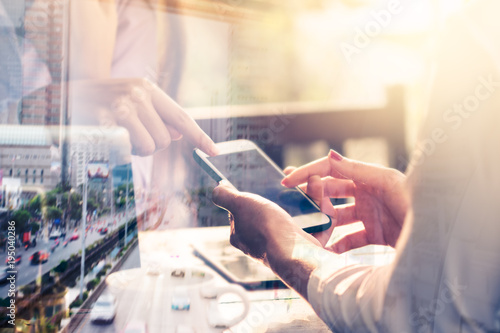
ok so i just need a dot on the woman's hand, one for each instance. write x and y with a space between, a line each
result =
263 230
380 199
150 116
258 226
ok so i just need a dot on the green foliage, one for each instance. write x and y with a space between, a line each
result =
75 206
93 283
91 204
50 198
53 213
103 271
35 205
77 302
121 203
61 268
121 190
35 226
21 217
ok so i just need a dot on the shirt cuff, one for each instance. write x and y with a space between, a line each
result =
332 294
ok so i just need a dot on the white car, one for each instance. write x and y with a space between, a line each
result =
55 234
104 309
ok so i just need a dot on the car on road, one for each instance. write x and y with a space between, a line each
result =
17 260
135 326
54 245
104 309
4 275
55 234
103 231
74 236
180 301
39 257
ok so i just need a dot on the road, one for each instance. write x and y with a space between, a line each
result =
147 299
126 304
28 273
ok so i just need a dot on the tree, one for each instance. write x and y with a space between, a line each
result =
91 205
53 213
122 202
75 199
64 201
35 205
50 199
76 213
75 206
21 217
35 226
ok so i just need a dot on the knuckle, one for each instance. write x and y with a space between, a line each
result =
233 240
147 83
145 149
163 141
138 94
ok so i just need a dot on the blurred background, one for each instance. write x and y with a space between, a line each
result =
297 77
302 77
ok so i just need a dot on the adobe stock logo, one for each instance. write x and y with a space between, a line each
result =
380 19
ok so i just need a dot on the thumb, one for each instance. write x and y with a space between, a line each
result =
225 195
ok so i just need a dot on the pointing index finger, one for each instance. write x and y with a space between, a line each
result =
300 175
173 115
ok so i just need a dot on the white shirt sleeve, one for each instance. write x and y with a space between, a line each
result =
446 275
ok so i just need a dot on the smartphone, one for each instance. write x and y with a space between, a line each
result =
235 266
249 169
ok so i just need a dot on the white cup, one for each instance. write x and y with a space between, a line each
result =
189 295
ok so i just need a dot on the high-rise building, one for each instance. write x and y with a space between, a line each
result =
43 48
81 153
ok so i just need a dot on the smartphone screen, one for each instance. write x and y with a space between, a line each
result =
250 171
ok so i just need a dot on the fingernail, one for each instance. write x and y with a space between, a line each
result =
334 155
213 150
224 182
284 181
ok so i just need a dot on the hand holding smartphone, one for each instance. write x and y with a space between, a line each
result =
249 169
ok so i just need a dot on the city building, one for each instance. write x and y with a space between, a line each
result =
82 152
43 69
25 155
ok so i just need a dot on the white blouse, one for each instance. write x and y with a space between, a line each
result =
446 275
